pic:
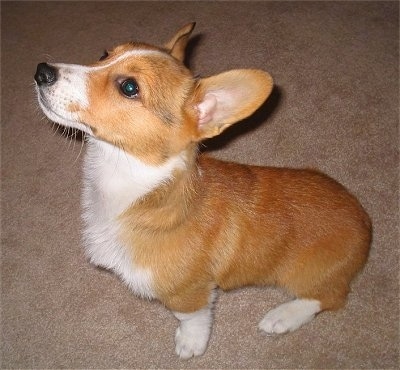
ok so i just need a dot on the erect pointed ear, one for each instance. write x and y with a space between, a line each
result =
230 97
176 46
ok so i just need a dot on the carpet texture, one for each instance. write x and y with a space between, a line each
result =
334 107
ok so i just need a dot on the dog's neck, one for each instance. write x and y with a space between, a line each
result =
158 195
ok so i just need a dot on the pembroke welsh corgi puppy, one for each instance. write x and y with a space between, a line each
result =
175 225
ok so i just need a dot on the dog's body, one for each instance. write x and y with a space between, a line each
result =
175 226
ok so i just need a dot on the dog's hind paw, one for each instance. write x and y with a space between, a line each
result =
289 316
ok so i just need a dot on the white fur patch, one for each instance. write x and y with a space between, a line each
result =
289 316
113 181
129 54
69 89
194 331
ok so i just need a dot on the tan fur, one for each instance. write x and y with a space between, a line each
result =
243 225
216 223
145 127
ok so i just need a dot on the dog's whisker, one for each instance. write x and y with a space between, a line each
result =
56 128
74 139
48 58
81 147
69 137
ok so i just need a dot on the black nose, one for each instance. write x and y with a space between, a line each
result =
45 74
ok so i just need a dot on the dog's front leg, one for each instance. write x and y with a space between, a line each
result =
194 331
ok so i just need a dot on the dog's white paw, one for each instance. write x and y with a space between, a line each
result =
192 335
190 342
289 316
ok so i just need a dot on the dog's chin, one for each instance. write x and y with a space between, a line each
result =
56 117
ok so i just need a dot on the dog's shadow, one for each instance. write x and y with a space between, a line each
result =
190 50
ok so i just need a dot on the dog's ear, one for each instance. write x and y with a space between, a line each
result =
176 46
230 97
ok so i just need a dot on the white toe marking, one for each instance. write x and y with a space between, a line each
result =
193 333
289 316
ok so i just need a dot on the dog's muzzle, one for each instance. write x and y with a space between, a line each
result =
45 74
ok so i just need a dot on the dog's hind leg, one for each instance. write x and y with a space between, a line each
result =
290 316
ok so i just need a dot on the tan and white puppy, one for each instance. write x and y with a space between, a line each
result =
174 225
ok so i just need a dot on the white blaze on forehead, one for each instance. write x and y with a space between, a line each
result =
119 58
132 53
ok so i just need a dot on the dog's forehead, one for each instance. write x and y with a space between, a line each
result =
127 47
131 51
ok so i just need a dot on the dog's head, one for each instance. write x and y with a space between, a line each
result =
143 99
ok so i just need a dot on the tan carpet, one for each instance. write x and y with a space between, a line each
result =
335 107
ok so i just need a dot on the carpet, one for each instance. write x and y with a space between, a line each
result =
334 107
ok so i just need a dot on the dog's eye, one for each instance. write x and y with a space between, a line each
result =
104 56
129 88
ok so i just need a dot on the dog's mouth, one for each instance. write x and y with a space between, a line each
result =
45 103
58 115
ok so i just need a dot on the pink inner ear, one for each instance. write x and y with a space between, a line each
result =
207 108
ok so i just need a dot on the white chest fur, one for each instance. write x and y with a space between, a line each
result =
113 181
